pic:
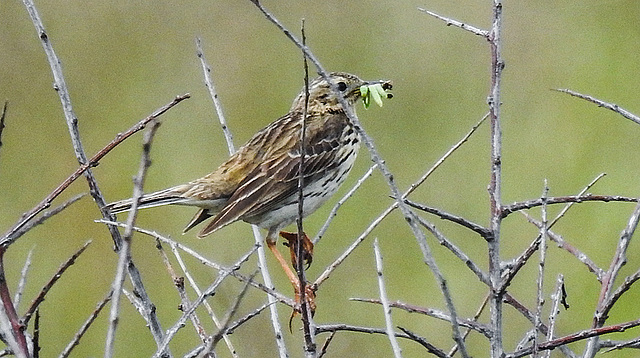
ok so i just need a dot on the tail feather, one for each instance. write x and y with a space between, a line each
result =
159 198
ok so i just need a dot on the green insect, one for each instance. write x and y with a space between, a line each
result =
375 91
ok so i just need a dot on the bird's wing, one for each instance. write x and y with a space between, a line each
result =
275 180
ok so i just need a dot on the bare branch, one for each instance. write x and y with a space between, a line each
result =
198 292
308 326
332 328
519 262
23 280
508 209
325 346
556 298
452 22
46 215
479 229
430 347
610 106
208 81
124 254
494 101
232 311
537 319
2 118
341 202
575 337
325 275
386 309
262 260
482 276
43 292
263 287
76 339
8 237
178 283
188 311
558 239
476 326
11 328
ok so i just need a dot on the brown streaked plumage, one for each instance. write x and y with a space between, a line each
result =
258 184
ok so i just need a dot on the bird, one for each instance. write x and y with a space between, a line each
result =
258 183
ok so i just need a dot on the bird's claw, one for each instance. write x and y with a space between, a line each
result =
292 243
309 297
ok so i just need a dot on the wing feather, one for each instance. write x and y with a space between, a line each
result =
276 180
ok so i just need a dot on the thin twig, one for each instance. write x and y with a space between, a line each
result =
262 258
43 292
562 243
610 106
520 261
569 205
263 287
575 337
624 287
23 280
36 335
331 328
124 254
327 272
508 209
305 307
604 300
543 329
494 101
386 309
482 276
326 343
6 332
556 298
85 326
430 347
334 210
11 328
2 118
198 292
178 283
46 215
232 312
8 237
234 325
471 324
188 311
271 299
475 318
208 81
479 229
456 23
541 266
196 352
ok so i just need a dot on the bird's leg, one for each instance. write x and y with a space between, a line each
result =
310 294
307 247
293 278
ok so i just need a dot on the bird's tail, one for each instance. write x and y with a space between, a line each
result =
163 197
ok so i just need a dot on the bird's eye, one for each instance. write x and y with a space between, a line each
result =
342 86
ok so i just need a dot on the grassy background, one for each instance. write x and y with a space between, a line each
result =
124 59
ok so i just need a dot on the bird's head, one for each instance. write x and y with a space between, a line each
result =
323 98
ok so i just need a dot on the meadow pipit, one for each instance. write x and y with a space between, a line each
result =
259 183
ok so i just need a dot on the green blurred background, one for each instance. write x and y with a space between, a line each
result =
124 59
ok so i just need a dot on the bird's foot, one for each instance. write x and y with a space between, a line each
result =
309 299
292 243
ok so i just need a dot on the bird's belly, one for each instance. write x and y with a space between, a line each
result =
315 194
